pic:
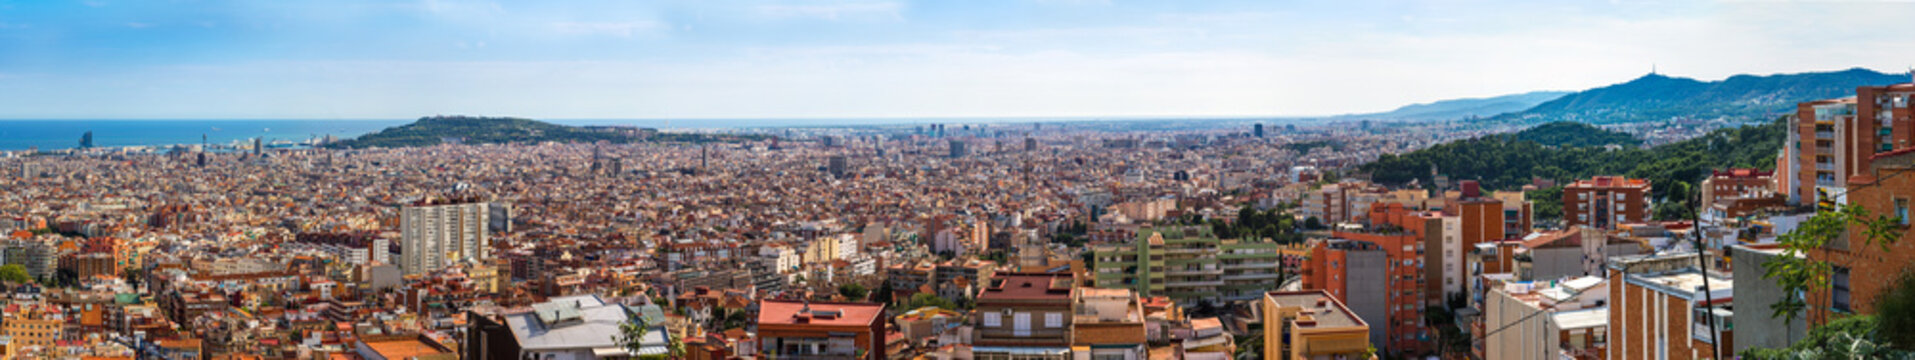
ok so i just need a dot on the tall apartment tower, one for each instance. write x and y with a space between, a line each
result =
1605 201
836 164
435 234
1831 140
1030 144
1257 130
957 149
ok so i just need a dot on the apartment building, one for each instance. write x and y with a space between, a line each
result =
1190 265
1108 324
438 233
352 248
1394 310
1335 265
1311 325
1606 201
1862 272
33 326
1831 140
821 330
1660 308
1546 320
1518 212
1024 316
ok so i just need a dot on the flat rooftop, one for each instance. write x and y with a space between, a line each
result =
1686 283
1319 306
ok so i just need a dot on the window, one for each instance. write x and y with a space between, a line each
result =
1901 211
1839 289
993 319
1054 320
1021 324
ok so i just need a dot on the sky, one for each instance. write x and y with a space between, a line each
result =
625 59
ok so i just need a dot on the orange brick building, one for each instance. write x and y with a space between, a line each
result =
1605 201
1863 272
1833 140
1382 276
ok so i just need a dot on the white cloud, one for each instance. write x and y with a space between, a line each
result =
834 11
619 28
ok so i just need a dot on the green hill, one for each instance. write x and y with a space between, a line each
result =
1656 97
1503 162
1574 134
433 130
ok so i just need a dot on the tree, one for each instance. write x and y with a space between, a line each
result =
1796 273
631 336
854 292
1313 223
884 293
1546 203
15 273
1249 347
924 299
1898 331
735 318
133 276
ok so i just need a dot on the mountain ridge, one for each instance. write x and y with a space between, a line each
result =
1658 97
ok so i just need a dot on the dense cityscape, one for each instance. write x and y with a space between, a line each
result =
956 180
938 241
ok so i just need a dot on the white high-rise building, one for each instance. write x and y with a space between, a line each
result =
436 235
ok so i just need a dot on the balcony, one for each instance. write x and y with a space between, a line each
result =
1192 272
1250 266
1029 336
1271 276
1825 166
1825 134
1196 283
820 357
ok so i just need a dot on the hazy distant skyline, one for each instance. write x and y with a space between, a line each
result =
897 59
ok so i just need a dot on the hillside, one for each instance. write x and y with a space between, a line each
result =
433 130
1464 108
1501 162
1574 134
1461 109
1656 97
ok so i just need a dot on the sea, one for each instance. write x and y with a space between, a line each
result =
66 133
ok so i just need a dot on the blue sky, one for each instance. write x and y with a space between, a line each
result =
344 59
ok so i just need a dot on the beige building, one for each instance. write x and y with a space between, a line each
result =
1312 325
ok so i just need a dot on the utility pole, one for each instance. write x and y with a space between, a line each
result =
1702 259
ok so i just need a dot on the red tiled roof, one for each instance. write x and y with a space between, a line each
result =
787 312
1029 286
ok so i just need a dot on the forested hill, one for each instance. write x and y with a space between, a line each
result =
433 130
1656 97
1574 134
1505 163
